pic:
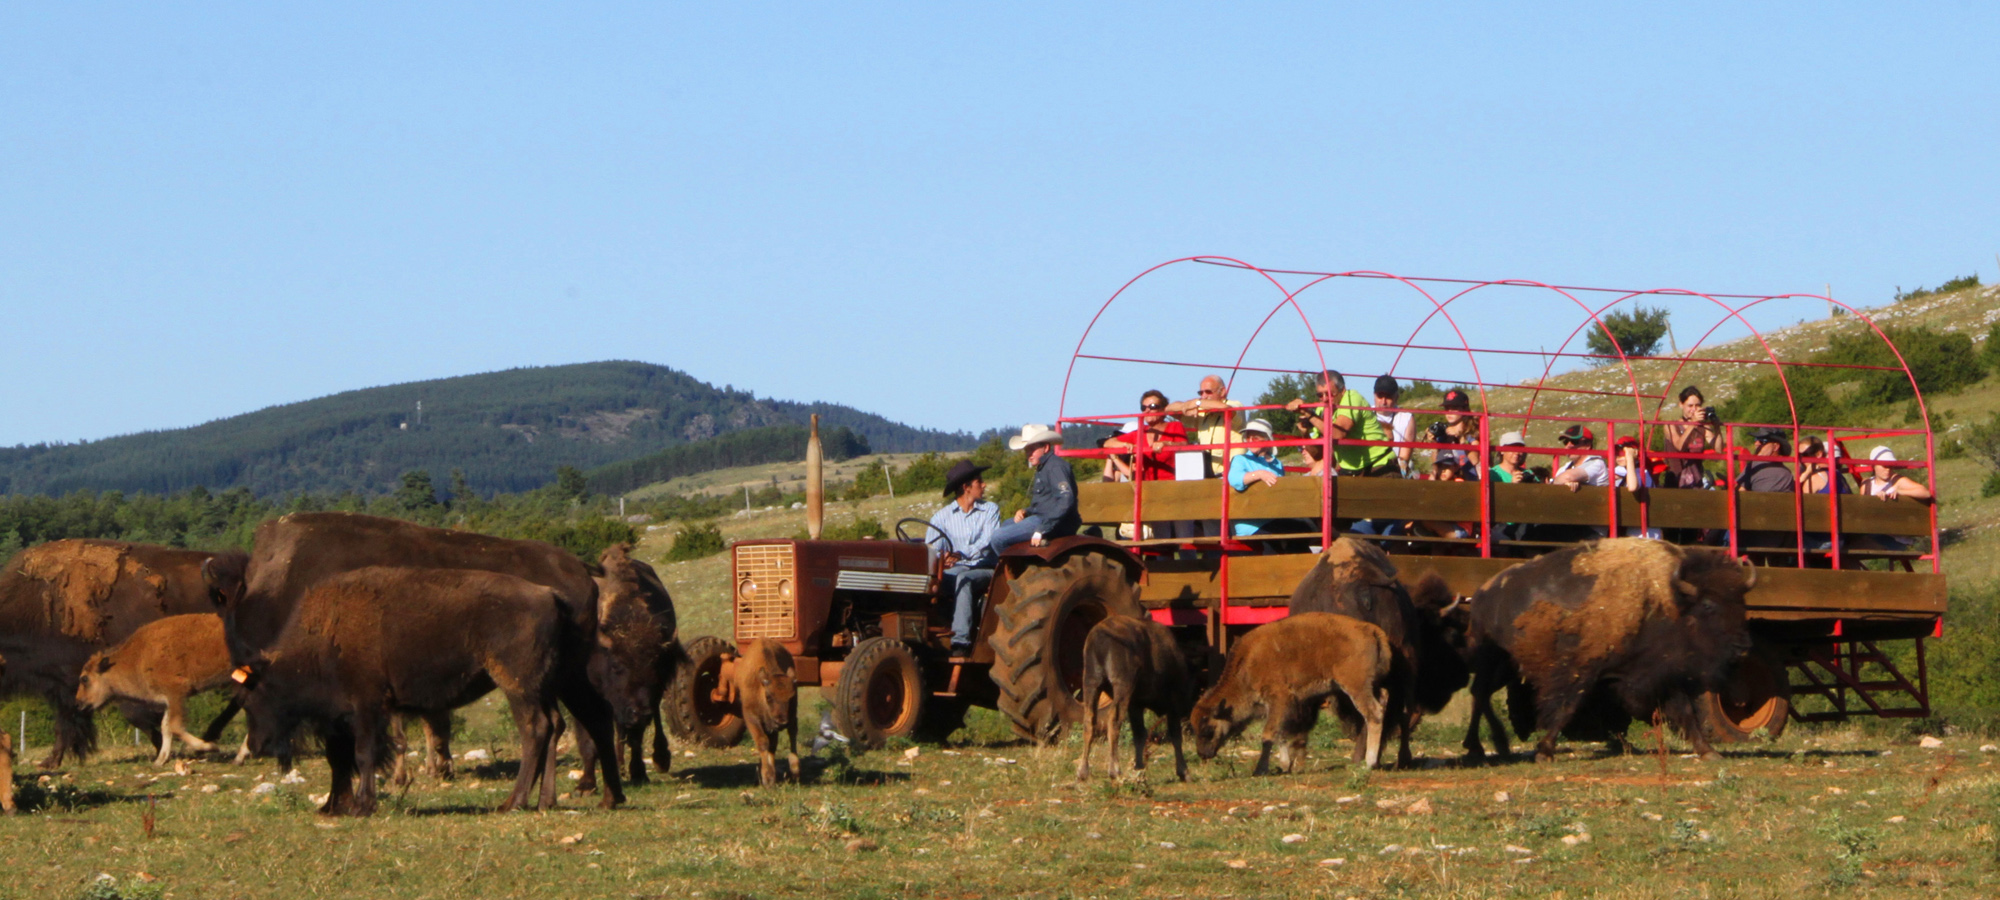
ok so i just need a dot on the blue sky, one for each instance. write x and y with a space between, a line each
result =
916 209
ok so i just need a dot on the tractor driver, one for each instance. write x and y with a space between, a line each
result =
968 522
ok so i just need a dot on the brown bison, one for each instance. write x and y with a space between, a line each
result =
162 664
1137 662
1356 579
357 649
636 655
1648 623
257 594
1284 671
64 600
767 692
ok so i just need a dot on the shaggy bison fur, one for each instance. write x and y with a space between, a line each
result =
636 655
1356 579
1647 623
1138 663
292 554
358 649
163 664
62 601
1284 671
767 693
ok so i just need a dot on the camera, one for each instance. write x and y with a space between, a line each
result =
1436 433
1708 415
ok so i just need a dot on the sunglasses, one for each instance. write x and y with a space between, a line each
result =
1205 392
1152 407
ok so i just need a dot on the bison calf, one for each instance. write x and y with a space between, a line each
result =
1284 671
164 663
1138 664
767 692
366 643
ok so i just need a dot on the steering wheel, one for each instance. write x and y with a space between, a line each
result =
901 535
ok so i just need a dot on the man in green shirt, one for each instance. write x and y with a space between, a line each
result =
1346 415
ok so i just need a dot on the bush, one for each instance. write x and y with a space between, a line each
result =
1965 282
1991 486
696 540
869 529
1940 363
1638 331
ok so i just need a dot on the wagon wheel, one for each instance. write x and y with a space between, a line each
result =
1038 640
1758 696
691 707
880 693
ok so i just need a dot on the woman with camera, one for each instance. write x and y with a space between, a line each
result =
1698 429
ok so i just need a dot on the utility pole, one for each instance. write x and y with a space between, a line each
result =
891 481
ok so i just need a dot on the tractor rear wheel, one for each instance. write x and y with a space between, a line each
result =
880 693
691 707
1758 696
1038 641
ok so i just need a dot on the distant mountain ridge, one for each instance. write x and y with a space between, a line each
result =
507 430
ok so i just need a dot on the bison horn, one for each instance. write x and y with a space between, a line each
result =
1749 573
1455 601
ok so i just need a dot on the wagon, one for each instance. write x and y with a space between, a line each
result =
1848 588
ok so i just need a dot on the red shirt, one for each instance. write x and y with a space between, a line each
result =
1153 465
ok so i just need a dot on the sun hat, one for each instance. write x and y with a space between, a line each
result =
1034 433
1513 439
1771 436
1881 454
962 472
1258 425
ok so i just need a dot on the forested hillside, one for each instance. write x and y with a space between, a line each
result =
507 431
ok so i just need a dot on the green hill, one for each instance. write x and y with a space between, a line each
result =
508 431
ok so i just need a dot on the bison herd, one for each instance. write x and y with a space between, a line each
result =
339 627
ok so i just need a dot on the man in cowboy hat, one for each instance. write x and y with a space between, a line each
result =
1051 511
964 534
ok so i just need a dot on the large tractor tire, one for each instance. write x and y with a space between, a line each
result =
1038 641
692 710
880 693
1758 697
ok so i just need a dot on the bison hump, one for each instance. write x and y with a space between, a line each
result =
83 583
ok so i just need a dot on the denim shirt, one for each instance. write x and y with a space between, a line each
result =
970 533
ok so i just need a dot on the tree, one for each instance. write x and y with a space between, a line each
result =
1284 389
1638 332
570 483
461 490
416 494
1982 440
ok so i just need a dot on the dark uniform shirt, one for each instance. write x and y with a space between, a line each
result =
1053 497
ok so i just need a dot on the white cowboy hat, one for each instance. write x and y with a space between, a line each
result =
1032 434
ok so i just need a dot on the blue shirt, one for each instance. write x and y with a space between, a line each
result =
1240 468
971 533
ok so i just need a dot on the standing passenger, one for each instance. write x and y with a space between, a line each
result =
1697 431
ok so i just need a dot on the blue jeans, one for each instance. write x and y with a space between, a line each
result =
1011 533
967 585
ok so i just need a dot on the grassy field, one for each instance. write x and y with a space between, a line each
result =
1836 812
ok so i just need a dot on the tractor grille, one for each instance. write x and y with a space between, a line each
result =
764 591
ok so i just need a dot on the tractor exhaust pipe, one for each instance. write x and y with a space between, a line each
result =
815 483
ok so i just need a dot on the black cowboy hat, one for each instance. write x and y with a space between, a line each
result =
961 472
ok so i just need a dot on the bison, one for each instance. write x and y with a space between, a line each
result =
1137 662
257 594
64 600
1284 671
162 664
358 649
1356 579
767 692
1648 623
637 653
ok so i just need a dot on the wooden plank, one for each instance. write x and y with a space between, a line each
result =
1847 591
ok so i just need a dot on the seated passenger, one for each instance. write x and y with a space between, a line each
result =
1254 465
968 523
1459 427
1631 474
1772 477
1447 470
1401 426
1890 484
1814 477
1051 510
1343 414
1210 418
1162 435
1513 465
1580 469
1698 430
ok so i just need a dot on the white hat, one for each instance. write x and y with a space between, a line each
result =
1882 454
1512 438
1032 434
1258 425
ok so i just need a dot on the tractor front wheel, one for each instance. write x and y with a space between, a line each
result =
1038 640
692 709
880 693
1757 697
